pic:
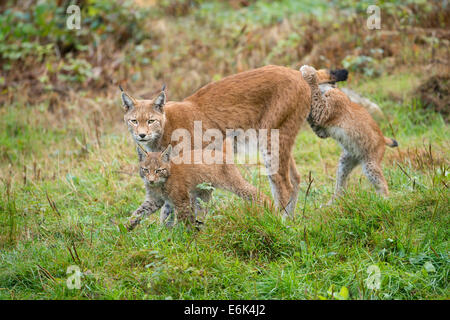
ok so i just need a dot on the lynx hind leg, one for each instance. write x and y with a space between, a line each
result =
185 211
373 172
277 161
283 190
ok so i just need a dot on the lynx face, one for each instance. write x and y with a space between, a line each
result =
155 168
145 118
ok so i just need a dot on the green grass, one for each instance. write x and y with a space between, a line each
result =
66 189
243 252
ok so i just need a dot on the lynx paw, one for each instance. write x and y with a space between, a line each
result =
132 224
307 71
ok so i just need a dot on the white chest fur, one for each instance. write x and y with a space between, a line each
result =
346 142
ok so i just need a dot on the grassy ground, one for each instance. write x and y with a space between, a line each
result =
241 253
69 181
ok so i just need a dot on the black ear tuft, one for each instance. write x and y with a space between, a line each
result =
127 101
160 101
339 74
167 154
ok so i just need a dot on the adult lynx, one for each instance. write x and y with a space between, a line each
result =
271 97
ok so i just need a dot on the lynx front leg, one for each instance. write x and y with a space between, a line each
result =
280 184
148 207
346 164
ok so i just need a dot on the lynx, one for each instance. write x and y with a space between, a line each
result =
333 114
271 97
178 184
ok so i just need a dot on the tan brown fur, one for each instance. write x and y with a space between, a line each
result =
270 97
333 114
178 183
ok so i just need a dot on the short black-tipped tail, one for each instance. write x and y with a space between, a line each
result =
394 143
339 75
327 75
391 142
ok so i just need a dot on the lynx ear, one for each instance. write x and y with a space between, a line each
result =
160 100
166 155
127 100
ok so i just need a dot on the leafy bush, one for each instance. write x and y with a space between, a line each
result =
364 64
28 35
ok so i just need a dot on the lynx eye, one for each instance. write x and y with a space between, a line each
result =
151 121
160 171
145 170
134 121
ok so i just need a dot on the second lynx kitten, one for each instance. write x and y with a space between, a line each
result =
177 183
333 114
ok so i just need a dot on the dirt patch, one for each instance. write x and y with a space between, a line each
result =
434 94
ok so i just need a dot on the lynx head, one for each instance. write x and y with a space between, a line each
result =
155 168
145 118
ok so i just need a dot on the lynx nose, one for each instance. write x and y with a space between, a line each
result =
142 135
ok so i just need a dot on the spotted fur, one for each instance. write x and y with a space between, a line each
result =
177 184
271 97
334 115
